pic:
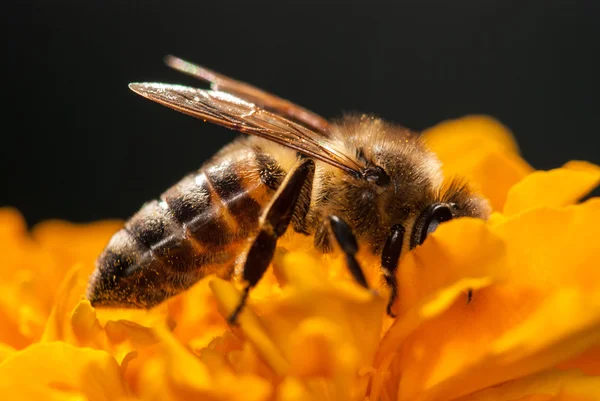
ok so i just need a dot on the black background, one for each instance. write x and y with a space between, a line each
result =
77 144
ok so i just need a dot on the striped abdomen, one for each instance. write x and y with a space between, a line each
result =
198 227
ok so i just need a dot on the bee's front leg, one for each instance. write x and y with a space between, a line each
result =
389 259
273 223
389 262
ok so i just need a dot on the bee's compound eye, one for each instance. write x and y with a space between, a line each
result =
431 218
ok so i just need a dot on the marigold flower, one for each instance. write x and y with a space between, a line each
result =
531 330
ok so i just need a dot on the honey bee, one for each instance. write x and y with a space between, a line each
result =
357 180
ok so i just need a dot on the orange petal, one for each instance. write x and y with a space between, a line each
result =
121 330
13 238
195 308
460 249
563 326
55 369
555 188
292 389
441 348
319 349
71 243
547 310
84 322
181 375
6 351
453 138
554 247
481 150
588 362
548 385
228 297
67 298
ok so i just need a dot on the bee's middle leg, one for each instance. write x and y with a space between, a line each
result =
343 235
273 223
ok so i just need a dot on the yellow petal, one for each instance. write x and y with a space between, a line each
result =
555 188
58 369
460 249
68 296
545 311
551 248
6 351
320 330
439 351
27 282
320 349
305 278
292 389
14 243
72 243
181 375
563 326
454 138
228 297
579 165
481 150
121 330
13 331
195 308
548 385
587 362
84 323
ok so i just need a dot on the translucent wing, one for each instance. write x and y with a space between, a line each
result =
232 112
251 94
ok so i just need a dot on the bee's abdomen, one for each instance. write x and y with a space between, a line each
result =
198 227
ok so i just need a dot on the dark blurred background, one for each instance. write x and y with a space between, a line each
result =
77 144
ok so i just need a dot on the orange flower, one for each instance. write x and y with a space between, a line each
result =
530 332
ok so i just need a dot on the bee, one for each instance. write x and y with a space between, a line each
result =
357 180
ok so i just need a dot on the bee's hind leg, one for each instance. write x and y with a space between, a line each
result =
273 223
347 241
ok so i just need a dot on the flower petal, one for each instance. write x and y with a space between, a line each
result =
453 138
6 351
180 375
320 330
460 249
121 330
548 385
84 323
587 362
551 248
556 188
528 322
56 368
481 150
292 389
67 298
228 297
439 355
71 243
14 243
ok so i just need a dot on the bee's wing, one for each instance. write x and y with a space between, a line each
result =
232 112
251 94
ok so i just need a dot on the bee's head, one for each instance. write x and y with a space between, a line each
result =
400 184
